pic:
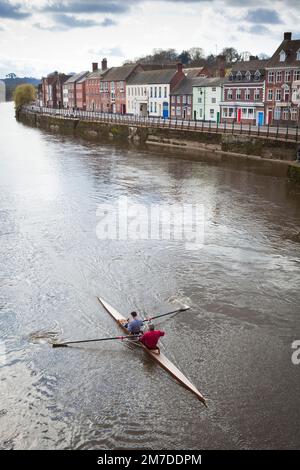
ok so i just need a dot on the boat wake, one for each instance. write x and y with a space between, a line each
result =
46 336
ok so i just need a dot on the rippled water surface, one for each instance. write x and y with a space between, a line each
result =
234 344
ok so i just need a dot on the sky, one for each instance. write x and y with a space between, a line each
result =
40 36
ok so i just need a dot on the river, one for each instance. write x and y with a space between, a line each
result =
242 282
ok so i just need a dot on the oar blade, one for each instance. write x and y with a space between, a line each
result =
59 345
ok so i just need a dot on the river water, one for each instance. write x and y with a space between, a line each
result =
243 285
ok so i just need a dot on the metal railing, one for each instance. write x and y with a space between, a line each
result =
281 133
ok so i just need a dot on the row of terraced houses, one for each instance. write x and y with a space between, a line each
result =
253 92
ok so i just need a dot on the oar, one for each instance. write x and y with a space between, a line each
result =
65 345
183 309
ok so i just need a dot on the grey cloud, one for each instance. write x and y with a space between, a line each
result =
72 22
112 52
12 11
89 6
255 29
263 16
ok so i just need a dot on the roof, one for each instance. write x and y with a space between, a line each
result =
76 77
193 71
290 47
249 65
185 87
119 73
152 77
209 81
98 73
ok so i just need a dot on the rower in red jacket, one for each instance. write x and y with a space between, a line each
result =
151 337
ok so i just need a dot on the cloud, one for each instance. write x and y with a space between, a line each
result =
263 16
64 22
12 11
70 21
88 6
115 51
257 29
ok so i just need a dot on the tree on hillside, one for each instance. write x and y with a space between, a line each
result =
12 76
185 57
24 94
231 55
197 56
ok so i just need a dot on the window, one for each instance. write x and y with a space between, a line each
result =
199 100
257 75
214 89
285 114
278 95
151 107
200 113
248 113
238 94
225 112
178 99
296 74
239 76
287 77
282 56
248 76
155 106
151 92
279 76
244 113
270 95
212 113
298 55
294 114
277 113
159 92
231 112
230 78
247 95
178 111
155 92
184 99
189 99
229 94
256 94
213 100
165 92
271 77
173 99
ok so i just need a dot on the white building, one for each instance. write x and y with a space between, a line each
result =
148 92
207 96
2 91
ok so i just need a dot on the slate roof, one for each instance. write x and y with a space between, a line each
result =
150 77
119 73
290 47
76 77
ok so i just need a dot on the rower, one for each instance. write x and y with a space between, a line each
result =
134 325
151 337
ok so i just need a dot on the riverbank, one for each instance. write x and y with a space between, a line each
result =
273 157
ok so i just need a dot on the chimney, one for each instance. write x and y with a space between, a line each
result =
95 66
253 57
179 67
287 36
221 61
104 64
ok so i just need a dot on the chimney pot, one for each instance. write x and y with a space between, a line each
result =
95 66
287 36
179 67
104 64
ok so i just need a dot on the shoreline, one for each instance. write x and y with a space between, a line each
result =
218 147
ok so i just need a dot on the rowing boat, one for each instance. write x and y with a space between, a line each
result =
161 359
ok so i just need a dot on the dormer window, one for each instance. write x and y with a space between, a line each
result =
239 76
298 55
248 76
231 76
282 56
257 75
